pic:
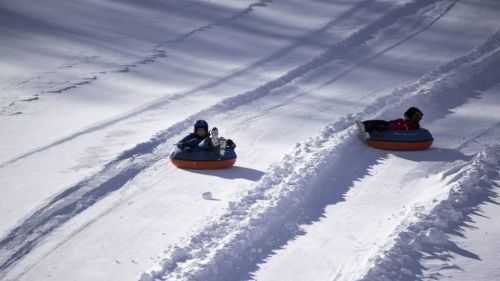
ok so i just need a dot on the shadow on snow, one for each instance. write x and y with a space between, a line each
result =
236 172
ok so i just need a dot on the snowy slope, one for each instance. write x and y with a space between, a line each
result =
89 118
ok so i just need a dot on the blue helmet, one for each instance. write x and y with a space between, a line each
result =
201 124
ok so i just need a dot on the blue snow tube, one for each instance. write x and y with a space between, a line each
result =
419 139
203 159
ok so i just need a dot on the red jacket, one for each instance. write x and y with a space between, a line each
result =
401 124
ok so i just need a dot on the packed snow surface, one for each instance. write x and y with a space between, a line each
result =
94 95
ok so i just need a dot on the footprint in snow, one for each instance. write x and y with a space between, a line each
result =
208 196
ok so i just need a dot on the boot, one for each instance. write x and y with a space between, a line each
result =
222 146
214 136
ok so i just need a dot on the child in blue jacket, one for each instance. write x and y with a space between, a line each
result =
202 138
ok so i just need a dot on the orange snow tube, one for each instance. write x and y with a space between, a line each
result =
399 145
201 159
411 140
203 165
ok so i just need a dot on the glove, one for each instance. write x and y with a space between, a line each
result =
230 143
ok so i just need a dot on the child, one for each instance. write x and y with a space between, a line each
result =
201 138
410 121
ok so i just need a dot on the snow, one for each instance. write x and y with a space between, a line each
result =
93 96
461 265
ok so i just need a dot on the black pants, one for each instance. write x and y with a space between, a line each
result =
375 125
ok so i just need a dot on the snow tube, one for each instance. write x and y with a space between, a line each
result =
419 139
203 159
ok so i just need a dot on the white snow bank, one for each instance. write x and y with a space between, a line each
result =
429 237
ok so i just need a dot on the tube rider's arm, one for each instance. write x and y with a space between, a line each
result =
398 124
401 124
188 141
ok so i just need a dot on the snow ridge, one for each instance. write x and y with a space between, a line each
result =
242 236
430 235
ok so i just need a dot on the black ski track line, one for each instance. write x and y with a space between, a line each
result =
130 163
248 10
166 100
73 85
233 256
85 59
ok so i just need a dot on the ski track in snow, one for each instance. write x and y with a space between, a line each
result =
159 52
76 199
243 236
170 98
54 87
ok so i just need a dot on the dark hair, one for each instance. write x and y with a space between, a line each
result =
412 111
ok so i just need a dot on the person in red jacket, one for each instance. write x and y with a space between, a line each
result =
411 121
